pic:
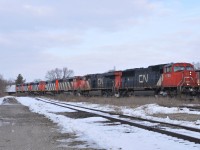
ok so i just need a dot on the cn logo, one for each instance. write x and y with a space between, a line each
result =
143 78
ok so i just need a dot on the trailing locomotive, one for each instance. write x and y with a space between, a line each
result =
165 79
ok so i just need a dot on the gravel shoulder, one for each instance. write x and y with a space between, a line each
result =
21 129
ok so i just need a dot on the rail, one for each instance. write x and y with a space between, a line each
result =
123 120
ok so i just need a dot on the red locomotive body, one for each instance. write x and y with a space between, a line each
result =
118 79
41 86
30 87
76 83
56 85
179 76
84 84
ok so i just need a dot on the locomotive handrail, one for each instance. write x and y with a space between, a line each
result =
184 81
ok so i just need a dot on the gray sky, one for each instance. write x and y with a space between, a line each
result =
93 36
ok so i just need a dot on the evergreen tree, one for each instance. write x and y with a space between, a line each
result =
20 79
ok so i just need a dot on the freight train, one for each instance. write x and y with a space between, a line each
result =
162 79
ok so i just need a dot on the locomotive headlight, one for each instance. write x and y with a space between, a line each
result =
190 73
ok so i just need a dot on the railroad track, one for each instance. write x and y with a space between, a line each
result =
185 133
191 108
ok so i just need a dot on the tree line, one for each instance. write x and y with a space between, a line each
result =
58 73
196 65
52 74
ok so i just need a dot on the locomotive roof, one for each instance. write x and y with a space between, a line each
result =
153 67
170 64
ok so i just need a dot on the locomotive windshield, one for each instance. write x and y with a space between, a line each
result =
179 68
190 68
182 68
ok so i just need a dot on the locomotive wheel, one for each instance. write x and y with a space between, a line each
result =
117 94
105 94
130 93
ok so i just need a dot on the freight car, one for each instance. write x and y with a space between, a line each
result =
165 79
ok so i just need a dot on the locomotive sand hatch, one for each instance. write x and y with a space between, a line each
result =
173 79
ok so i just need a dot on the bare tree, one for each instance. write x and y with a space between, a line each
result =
2 85
67 73
10 81
59 73
50 75
37 80
196 65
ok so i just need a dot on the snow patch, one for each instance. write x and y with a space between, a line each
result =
100 135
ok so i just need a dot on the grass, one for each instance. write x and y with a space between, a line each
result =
133 101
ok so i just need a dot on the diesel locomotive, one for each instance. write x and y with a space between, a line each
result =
162 79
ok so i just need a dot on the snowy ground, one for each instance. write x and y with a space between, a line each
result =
101 135
146 112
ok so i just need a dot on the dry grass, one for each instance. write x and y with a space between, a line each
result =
133 102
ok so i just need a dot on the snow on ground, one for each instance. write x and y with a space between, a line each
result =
146 111
2 99
106 136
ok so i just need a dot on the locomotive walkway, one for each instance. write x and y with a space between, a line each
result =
21 129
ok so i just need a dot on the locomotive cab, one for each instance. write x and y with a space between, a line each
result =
179 76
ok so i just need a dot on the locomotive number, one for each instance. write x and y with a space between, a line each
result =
168 75
143 78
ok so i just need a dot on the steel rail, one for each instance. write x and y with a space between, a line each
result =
136 118
149 128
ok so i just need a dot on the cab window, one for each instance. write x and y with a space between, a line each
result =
189 68
179 68
168 69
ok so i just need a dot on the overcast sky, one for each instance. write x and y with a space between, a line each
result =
94 36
